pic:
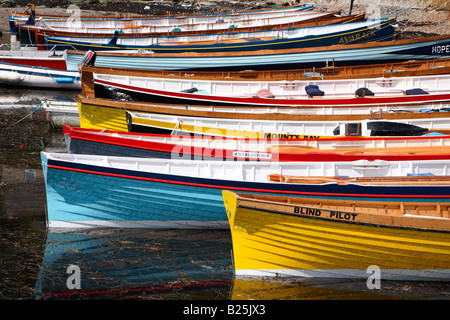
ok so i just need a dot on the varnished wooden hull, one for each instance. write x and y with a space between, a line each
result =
143 86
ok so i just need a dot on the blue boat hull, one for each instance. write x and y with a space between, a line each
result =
81 195
382 32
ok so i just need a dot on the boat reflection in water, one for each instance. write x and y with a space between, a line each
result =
125 263
186 264
257 288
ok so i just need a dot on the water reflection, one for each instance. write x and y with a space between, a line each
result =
131 263
185 265
158 265
335 289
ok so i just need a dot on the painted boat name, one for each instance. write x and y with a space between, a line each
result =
354 37
318 213
287 136
440 49
256 155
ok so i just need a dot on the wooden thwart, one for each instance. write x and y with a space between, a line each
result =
409 180
359 211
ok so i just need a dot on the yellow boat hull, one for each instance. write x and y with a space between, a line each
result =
269 243
111 118
102 117
94 117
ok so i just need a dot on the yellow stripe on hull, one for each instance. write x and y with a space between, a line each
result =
276 244
95 117
222 132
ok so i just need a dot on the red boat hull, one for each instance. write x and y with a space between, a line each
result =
51 63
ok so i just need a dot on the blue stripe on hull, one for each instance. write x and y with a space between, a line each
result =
137 196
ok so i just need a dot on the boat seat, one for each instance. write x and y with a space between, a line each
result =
363 92
313 91
415 91
264 93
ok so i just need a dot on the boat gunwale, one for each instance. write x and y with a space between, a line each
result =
246 197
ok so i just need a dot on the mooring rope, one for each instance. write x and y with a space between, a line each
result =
32 112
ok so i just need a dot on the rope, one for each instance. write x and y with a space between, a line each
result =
44 69
32 112
177 126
